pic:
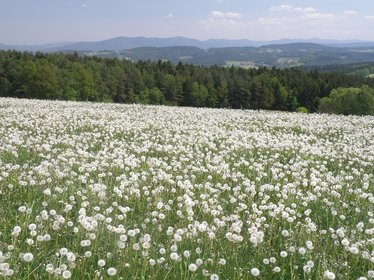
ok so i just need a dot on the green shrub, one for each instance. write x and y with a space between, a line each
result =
302 110
349 101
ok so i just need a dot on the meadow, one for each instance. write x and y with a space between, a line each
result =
111 191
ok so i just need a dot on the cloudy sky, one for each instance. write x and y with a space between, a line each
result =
45 21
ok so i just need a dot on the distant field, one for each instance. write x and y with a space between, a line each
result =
289 62
109 191
241 64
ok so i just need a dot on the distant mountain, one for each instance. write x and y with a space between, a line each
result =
282 55
298 46
241 53
354 45
125 43
34 48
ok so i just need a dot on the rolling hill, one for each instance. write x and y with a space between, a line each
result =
241 53
286 55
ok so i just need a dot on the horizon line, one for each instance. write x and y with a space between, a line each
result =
190 38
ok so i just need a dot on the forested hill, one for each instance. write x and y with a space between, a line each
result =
71 77
281 56
363 69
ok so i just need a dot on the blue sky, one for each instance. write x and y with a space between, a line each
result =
46 21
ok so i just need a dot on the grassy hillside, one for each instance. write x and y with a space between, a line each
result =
111 191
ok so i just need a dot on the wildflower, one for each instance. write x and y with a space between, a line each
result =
66 274
70 257
174 256
329 275
192 267
63 251
353 250
88 254
112 271
255 272
101 262
28 257
214 277
307 269
285 233
199 262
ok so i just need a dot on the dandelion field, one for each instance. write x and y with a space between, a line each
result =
109 191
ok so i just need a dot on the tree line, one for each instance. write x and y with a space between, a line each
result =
73 77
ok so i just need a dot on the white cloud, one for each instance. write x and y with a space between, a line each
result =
84 5
220 14
290 8
350 13
170 15
286 21
308 12
319 16
296 15
222 20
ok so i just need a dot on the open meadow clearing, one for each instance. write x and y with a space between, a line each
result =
108 191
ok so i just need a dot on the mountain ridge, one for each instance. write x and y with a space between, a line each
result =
240 53
286 55
124 43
